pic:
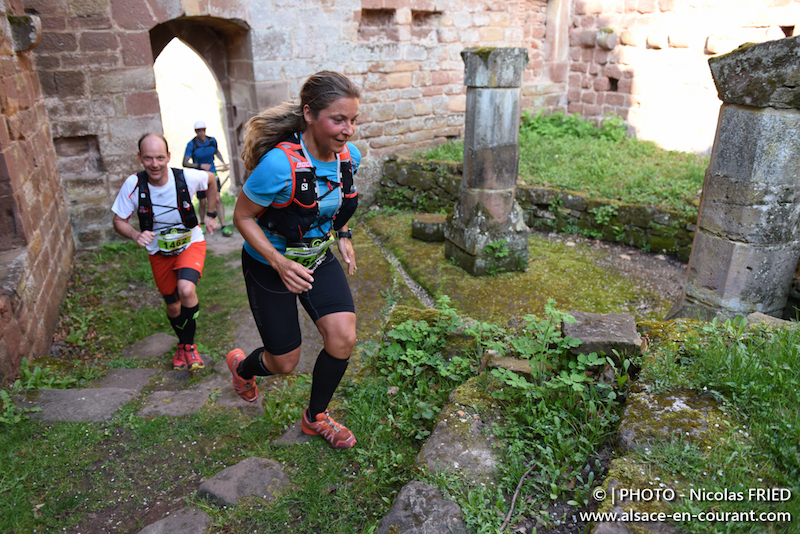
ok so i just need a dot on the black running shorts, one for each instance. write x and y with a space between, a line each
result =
275 308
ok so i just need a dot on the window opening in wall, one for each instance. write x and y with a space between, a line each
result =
788 31
424 23
378 24
614 83
189 92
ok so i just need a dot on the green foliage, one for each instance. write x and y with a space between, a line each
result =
557 125
11 414
569 153
496 250
604 214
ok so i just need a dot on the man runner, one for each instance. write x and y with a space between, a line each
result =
161 197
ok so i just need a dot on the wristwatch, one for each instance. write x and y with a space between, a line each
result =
348 234
212 214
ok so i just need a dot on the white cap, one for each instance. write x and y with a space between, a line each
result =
199 124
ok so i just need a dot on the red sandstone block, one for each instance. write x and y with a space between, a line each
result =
588 7
12 337
630 6
601 56
589 22
589 97
646 6
53 23
587 55
574 95
666 5
624 86
433 91
602 84
592 110
559 71
440 78
132 14
57 42
594 69
90 22
575 107
136 50
48 7
99 42
142 104
587 82
578 67
614 99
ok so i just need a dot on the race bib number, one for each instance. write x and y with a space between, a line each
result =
309 255
174 241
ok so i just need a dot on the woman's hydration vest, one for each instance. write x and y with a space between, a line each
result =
295 217
185 207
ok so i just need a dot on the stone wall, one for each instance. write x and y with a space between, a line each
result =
95 62
434 187
647 61
36 247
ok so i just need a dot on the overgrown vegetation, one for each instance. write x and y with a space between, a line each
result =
570 153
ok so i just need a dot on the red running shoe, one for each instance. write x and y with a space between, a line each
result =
337 435
247 389
179 361
193 359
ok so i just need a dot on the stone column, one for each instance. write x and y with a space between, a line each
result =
487 211
746 246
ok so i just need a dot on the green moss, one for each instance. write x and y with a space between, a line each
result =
574 276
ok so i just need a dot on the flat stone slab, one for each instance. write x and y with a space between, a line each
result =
173 403
152 346
650 418
768 320
251 477
429 227
184 521
76 405
420 508
294 436
125 379
603 333
760 75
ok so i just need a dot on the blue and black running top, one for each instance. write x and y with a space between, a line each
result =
271 183
202 152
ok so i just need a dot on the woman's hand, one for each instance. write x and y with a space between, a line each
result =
295 277
345 245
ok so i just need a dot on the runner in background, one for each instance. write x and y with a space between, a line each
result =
200 153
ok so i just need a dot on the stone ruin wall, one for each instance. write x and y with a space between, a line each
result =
36 245
653 69
95 64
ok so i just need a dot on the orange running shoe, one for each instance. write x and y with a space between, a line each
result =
247 389
193 359
179 360
337 435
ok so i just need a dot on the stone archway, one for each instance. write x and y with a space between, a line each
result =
219 43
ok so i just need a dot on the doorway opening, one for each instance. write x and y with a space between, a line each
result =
189 92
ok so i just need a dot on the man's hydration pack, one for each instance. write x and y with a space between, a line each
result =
293 218
185 207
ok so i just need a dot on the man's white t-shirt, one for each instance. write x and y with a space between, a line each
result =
165 201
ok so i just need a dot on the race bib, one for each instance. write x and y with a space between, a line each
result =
172 242
309 255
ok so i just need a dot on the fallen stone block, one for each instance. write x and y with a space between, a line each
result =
250 477
421 508
603 333
429 227
184 521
